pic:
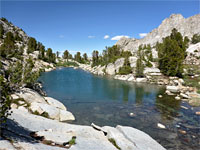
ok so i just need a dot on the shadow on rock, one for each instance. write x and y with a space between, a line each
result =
12 131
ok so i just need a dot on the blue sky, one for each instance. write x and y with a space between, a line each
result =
82 25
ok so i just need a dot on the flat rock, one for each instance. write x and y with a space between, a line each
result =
57 137
35 146
120 139
141 80
66 115
23 108
55 103
31 96
173 89
87 138
142 140
53 112
6 145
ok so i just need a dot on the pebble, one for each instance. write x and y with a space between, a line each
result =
132 115
177 98
161 126
184 107
160 96
13 106
182 131
197 113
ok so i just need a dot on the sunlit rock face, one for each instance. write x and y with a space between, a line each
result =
186 26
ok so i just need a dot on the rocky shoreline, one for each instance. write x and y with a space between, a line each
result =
45 119
174 85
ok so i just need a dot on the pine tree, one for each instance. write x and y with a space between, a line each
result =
172 53
66 54
32 45
139 63
1 31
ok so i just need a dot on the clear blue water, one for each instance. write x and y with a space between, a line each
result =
105 101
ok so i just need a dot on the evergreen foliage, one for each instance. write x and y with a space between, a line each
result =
78 57
85 57
195 39
95 58
172 53
57 54
126 69
17 37
109 55
32 45
66 54
41 49
50 56
1 31
8 47
5 100
139 63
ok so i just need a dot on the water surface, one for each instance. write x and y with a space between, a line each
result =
105 101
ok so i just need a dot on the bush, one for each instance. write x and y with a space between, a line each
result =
195 39
67 64
149 64
5 100
125 70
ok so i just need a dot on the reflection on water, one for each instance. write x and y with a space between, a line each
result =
168 107
105 101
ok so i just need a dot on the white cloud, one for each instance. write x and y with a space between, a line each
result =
61 36
91 36
118 37
106 37
142 34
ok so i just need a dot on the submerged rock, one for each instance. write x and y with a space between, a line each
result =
161 126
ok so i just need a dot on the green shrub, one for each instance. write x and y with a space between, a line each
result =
149 64
67 64
125 70
195 38
114 143
5 100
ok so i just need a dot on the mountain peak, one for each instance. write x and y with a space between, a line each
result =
186 26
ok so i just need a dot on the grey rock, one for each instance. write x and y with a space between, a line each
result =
6 145
186 26
66 115
110 69
119 63
141 79
55 103
173 89
133 61
31 96
142 140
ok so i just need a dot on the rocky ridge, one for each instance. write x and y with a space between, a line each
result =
186 26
